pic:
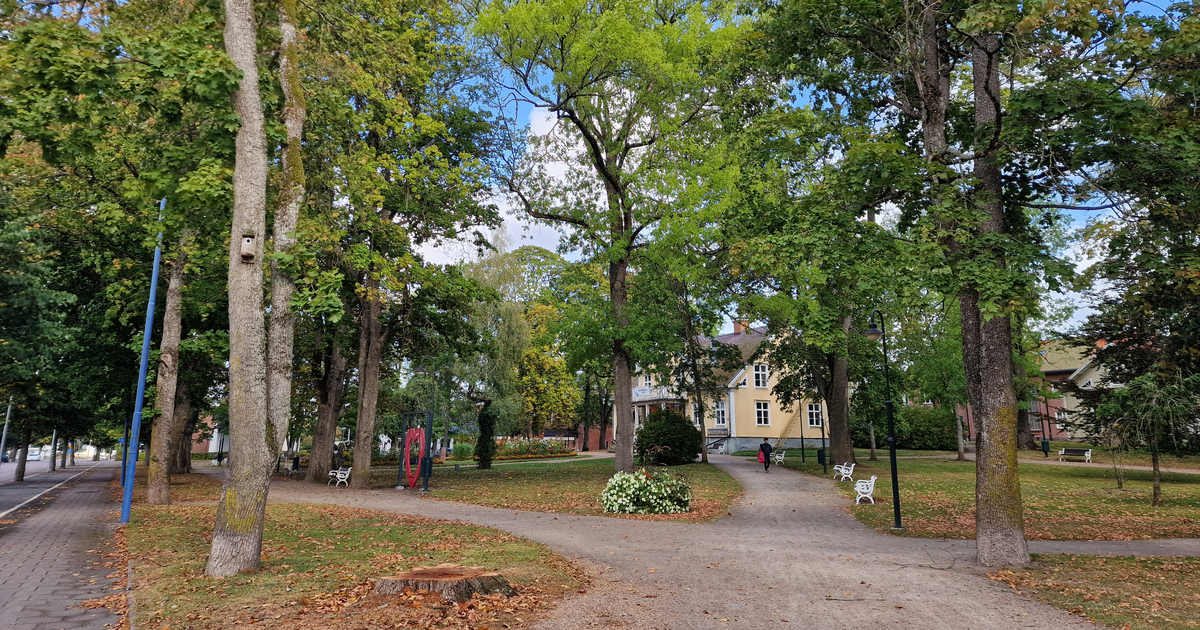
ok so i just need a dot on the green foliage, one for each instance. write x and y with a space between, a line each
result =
462 450
924 428
646 492
667 439
528 449
485 444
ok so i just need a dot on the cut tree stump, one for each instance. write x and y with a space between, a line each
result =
453 582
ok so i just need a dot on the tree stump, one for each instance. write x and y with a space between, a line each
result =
453 582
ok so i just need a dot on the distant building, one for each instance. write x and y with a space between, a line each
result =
745 411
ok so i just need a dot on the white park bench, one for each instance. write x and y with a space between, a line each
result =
864 488
777 457
341 475
1085 453
843 471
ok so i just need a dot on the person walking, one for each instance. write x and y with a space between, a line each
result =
764 454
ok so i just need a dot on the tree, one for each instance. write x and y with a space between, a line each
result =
601 71
1155 414
237 533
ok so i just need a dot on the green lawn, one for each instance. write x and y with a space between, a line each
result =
1133 593
1101 455
575 487
319 566
1061 502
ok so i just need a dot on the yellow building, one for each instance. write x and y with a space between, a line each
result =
745 411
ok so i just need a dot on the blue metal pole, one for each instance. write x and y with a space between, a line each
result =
130 462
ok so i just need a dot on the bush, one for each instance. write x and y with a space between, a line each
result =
522 448
199 456
462 450
642 492
668 439
924 429
485 446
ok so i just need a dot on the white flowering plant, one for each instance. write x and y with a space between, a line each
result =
646 492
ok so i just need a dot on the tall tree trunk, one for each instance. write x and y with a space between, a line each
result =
622 362
237 533
158 474
370 355
841 446
185 426
873 456
1024 433
291 197
587 408
1155 460
67 447
23 454
329 405
999 517
958 430
53 449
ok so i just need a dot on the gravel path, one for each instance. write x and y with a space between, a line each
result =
788 552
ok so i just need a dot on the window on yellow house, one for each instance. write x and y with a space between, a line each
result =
761 379
762 413
814 415
720 413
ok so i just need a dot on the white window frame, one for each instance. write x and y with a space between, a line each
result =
1060 418
762 411
762 376
696 419
816 416
719 412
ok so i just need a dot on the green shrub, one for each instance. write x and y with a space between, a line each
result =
924 428
485 446
668 439
520 447
196 456
643 492
462 450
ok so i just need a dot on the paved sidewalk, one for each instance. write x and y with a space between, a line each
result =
47 551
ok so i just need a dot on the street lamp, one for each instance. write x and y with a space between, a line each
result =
874 333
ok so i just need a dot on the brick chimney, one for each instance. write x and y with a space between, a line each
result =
740 327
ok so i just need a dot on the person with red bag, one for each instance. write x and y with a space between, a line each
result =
764 454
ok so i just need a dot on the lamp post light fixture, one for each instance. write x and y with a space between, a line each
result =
874 333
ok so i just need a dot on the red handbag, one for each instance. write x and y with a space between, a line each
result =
761 458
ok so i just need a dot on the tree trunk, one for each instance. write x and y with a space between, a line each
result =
622 362
999 517
1154 461
23 454
53 449
873 457
72 453
158 474
370 355
329 405
1024 433
291 197
958 429
587 408
185 427
66 447
237 533
841 446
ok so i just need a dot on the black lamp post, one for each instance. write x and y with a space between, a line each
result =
874 333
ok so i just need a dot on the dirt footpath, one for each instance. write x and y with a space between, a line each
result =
788 553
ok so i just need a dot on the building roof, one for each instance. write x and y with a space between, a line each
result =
747 341
1059 356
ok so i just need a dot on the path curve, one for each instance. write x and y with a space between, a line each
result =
787 551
